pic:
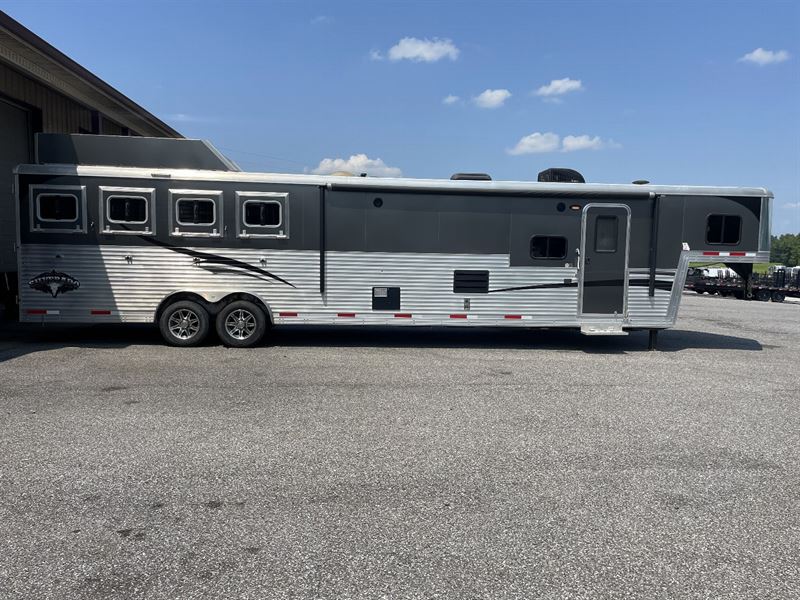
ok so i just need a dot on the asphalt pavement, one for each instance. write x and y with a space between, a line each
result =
405 463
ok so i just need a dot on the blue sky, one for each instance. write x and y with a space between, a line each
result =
618 90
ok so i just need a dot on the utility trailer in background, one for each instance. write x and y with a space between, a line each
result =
110 233
775 286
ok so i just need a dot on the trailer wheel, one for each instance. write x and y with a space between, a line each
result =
241 324
778 296
184 323
763 295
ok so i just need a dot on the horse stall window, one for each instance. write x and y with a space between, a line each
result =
262 214
548 247
196 213
59 209
723 229
127 210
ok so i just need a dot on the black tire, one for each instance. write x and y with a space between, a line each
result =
184 323
241 324
778 296
763 295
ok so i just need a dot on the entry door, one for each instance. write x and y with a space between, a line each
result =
604 259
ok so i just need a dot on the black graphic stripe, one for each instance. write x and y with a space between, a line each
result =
661 285
207 257
541 286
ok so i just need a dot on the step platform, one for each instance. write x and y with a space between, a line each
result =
602 329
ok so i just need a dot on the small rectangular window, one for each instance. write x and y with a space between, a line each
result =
57 208
606 234
196 211
723 229
262 213
127 209
60 208
548 246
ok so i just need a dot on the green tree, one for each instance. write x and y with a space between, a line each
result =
786 249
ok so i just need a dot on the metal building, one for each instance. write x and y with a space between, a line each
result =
43 90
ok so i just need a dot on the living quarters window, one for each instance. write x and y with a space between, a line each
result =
262 214
57 209
196 213
127 210
723 229
548 247
606 234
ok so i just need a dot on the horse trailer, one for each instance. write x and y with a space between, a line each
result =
143 230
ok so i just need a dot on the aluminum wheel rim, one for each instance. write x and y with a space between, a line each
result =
240 324
184 324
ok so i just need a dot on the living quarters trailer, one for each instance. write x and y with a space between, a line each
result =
112 238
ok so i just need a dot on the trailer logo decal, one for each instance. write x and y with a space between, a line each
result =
54 283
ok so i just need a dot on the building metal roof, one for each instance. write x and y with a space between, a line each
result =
29 53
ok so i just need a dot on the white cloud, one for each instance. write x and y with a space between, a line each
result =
571 143
492 98
375 55
559 87
357 164
537 143
762 57
414 49
451 99
791 205
321 20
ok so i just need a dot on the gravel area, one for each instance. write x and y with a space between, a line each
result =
405 463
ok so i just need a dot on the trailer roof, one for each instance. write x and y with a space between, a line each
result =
335 182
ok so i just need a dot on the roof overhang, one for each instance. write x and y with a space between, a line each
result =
30 54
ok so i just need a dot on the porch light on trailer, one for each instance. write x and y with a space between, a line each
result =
574 206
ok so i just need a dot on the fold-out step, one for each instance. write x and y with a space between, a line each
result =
603 330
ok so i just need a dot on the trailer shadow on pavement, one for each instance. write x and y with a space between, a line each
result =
20 339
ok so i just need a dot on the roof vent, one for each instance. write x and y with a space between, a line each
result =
470 177
640 182
560 176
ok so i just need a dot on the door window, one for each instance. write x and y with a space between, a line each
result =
606 233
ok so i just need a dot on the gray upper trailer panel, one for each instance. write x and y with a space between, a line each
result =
129 151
